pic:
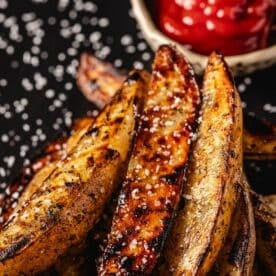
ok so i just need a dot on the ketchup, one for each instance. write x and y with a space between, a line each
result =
229 26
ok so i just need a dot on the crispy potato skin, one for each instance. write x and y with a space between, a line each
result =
211 192
260 147
108 81
67 145
265 218
52 152
69 202
152 188
271 202
238 254
31 176
98 80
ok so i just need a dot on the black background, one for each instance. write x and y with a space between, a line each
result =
117 31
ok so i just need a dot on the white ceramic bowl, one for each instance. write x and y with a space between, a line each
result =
240 64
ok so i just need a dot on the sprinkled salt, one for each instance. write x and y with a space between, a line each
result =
241 87
126 39
49 93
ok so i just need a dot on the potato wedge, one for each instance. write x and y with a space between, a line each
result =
201 226
82 260
79 130
98 80
106 82
271 202
31 176
265 218
259 139
55 150
70 201
152 188
238 253
259 147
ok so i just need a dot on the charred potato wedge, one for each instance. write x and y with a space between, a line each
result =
201 226
70 201
238 253
82 259
152 188
81 126
33 174
109 81
265 219
98 80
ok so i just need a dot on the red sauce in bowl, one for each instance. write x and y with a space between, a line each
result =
230 26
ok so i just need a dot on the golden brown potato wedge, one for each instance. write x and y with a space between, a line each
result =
259 147
38 171
152 188
107 81
70 201
82 260
238 253
54 151
265 219
271 202
80 128
98 80
33 174
201 226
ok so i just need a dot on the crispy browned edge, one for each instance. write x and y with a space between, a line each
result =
81 260
91 69
259 147
54 151
236 151
265 218
11 254
98 80
110 80
203 262
238 254
271 201
138 232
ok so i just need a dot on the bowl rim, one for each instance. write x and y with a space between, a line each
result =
152 33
